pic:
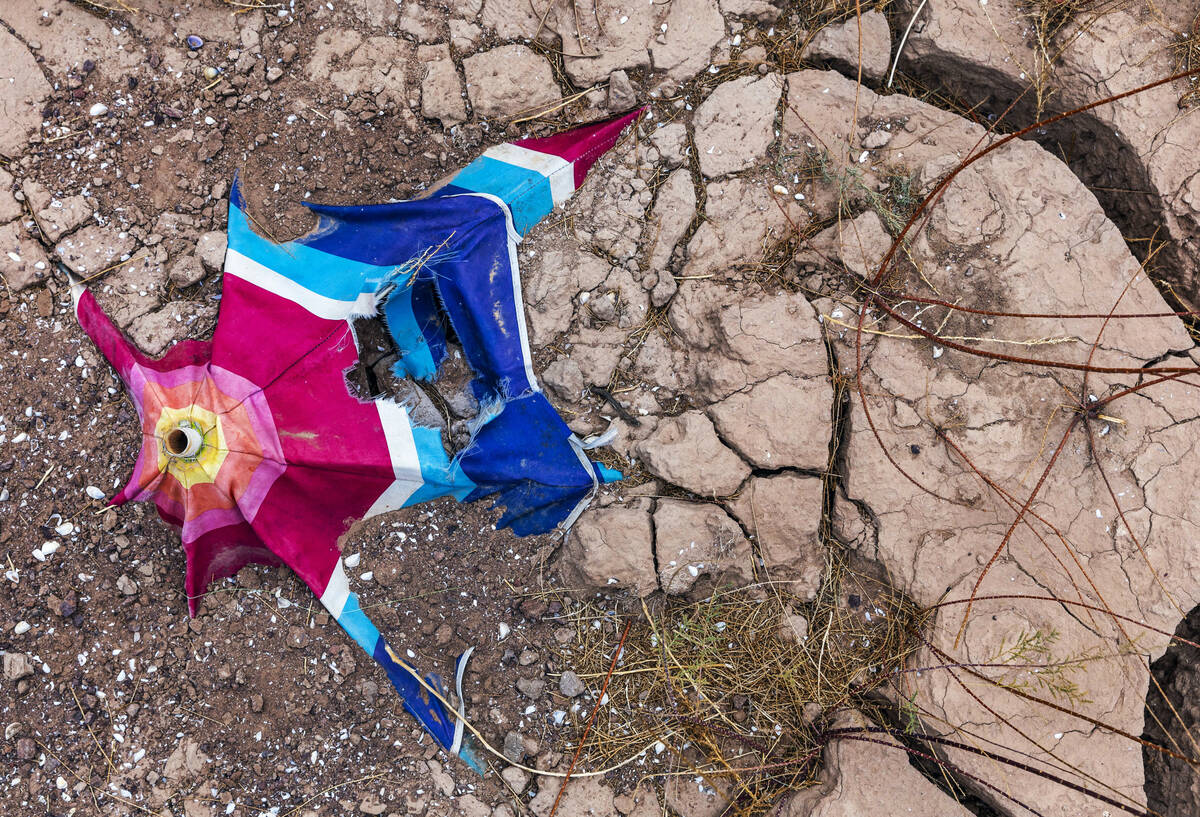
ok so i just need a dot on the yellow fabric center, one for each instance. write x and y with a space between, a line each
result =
204 465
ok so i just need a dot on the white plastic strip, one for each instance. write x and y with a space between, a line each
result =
459 672
577 447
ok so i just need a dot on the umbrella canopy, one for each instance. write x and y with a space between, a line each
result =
255 449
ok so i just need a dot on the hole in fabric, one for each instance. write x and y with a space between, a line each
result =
446 403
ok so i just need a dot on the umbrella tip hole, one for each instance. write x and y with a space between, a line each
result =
182 442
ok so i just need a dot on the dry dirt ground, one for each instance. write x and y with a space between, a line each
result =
700 295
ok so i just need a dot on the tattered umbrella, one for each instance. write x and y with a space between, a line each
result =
256 450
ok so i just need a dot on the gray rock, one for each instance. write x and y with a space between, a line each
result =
736 124
517 779
695 539
186 271
671 141
211 248
94 248
621 94
691 31
464 36
17 666
687 452
26 749
611 548
56 217
839 43
514 747
441 88
673 212
22 90
759 10
565 379
531 688
570 685
509 80
607 45
784 512
762 424
33 265
10 208
154 332
664 290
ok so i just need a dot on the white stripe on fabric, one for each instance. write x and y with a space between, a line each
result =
336 591
251 271
514 238
402 449
557 170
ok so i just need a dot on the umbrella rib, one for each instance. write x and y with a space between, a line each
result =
286 369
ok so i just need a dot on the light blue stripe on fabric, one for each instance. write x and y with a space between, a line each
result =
607 474
416 358
526 192
441 476
355 622
332 276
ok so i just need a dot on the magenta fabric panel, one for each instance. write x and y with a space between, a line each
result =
259 335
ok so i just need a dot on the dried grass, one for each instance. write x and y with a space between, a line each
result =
1187 58
723 690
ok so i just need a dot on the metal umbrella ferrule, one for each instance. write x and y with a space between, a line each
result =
182 442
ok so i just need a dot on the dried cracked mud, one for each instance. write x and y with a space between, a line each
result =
713 295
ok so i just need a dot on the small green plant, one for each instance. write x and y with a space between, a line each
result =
1032 655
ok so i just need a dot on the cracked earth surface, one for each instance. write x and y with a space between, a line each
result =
700 295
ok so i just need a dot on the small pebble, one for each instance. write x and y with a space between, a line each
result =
99 109
22 627
94 492
211 73
570 685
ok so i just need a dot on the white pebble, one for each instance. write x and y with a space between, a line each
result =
99 109
353 559
22 627
94 492
504 630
